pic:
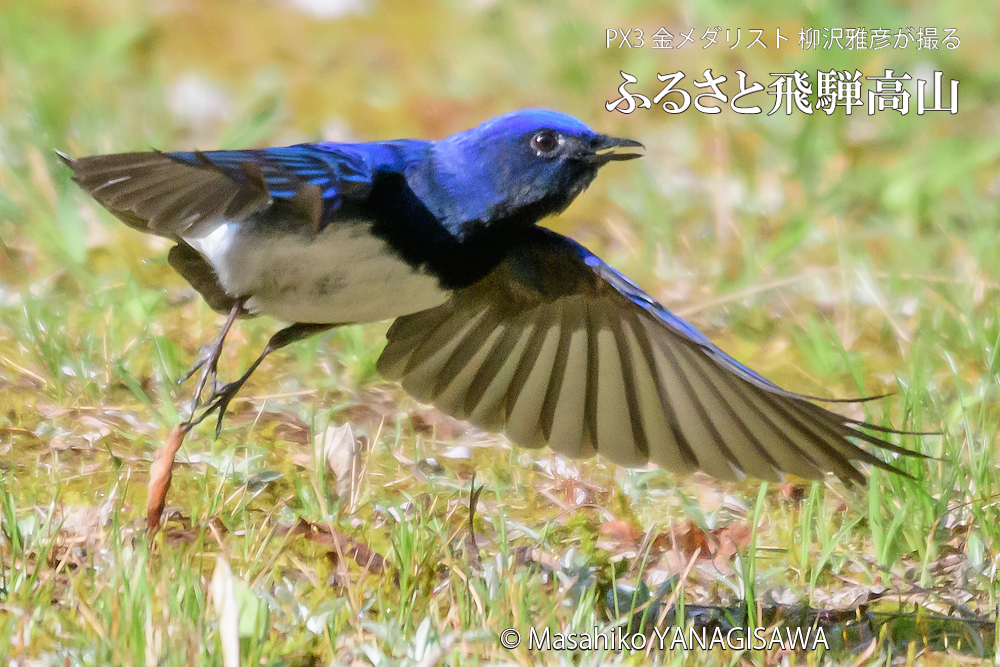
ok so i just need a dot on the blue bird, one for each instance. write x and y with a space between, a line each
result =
497 321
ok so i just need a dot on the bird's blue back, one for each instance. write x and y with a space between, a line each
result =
340 170
478 176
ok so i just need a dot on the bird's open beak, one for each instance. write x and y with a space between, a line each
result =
603 149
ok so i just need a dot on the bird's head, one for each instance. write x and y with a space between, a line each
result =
520 166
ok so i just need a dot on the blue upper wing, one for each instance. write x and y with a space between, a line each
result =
172 194
284 171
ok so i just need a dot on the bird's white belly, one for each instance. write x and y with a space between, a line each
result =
342 275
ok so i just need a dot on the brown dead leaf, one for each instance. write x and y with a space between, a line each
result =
292 433
718 546
731 539
660 545
176 536
619 538
287 426
433 422
85 524
525 555
337 543
690 538
373 407
179 529
160 474
620 530
563 480
338 447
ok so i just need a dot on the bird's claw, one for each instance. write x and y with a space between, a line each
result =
219 401
208 363
225 395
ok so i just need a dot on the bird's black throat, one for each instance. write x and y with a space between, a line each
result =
403 221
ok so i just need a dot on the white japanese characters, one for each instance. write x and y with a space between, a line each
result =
792 92
845 39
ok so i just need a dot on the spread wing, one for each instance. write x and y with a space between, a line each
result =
189 193
555 347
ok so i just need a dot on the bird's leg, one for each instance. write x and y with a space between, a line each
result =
204 352
209 359
221 398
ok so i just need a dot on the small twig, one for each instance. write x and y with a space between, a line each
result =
24 371
264 397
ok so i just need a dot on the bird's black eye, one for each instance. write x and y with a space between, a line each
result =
545 142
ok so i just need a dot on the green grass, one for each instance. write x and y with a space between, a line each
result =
833 255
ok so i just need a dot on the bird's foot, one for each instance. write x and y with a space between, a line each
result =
219 402
223 396
208 364
204 357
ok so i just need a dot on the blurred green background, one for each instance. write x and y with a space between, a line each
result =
834 254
